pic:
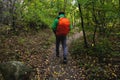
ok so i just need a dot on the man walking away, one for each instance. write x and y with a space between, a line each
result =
61 28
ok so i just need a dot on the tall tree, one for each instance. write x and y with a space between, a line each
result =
95 21
82 24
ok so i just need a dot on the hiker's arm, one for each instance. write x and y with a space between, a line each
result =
54 26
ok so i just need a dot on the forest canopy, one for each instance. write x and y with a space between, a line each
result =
36 14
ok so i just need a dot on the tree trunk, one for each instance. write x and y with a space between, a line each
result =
96 22
82 24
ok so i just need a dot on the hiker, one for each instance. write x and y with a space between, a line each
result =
61 28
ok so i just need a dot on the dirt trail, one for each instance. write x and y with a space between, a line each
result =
56 70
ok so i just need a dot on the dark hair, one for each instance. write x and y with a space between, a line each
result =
61 13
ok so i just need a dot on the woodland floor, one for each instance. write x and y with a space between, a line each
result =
56 70
38 51
53 67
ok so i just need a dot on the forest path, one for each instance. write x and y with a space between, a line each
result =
56 70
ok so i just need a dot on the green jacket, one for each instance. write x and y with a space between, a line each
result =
55 23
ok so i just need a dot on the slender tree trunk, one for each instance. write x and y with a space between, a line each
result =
82 24
96 22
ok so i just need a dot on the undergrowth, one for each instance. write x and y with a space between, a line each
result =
12 46
94 59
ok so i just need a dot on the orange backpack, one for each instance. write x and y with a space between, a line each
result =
63 27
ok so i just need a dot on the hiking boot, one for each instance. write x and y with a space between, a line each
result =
65 60
57 54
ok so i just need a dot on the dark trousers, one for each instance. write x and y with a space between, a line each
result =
61 39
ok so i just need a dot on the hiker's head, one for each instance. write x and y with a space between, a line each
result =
61 13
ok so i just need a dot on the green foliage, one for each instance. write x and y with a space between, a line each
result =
41 13
92 59
102 49
33 15
21 41
77 48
